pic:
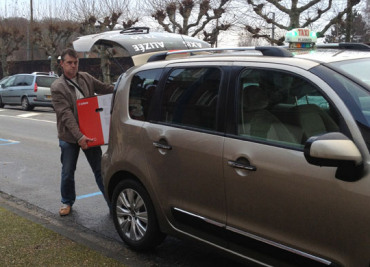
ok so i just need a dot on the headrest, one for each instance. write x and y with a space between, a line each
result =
255 98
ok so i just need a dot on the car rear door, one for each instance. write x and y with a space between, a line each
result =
22 86
276 201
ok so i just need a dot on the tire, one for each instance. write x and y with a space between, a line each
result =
1 103
134 216
26 104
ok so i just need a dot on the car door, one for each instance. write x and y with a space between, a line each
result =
273 195
184 149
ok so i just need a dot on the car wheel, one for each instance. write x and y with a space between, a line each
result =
26 104
1 103
134 216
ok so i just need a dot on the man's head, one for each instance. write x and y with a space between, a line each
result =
69 63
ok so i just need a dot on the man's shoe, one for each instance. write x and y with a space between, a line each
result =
64 210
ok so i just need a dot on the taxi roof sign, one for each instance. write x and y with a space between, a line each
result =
301 38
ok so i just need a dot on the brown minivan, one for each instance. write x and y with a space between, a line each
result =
262 155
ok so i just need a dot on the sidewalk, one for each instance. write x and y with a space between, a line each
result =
31 237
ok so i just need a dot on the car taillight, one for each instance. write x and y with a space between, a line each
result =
35 88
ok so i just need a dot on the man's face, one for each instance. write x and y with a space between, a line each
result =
70 66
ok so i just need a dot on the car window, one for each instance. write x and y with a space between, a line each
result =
282 108
356 67
22 80
45 81
9 82
143 85
190 97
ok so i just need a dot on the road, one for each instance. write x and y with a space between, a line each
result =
30 171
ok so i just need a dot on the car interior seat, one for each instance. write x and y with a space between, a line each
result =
313 120
258 121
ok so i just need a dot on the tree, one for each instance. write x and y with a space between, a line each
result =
100 16
191 17
10 39
358 31
296 14
53 35
246 39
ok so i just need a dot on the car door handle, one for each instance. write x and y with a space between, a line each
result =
162 146
239 165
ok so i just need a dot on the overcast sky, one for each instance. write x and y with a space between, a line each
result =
21 8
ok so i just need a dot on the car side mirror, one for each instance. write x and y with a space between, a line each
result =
335 150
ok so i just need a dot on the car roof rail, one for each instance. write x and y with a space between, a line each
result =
347 46
135 30
273 51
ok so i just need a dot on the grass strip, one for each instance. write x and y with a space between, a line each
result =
25 243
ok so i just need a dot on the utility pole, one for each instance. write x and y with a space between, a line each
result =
30 29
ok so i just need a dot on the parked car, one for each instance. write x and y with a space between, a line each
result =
258 152
265 157
27 90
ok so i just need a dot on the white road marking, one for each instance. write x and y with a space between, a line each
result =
17 117
26 115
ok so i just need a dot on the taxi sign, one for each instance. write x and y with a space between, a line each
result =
301 38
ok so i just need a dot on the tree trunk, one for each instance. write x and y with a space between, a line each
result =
4 65
105 65
54 63
349 22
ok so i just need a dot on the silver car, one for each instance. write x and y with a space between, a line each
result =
27 90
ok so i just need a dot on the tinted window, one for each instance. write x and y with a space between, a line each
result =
142 88
45 81
283 108
22 80
190 97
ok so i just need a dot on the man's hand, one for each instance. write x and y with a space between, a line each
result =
83 142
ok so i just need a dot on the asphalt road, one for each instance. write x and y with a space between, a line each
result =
30 171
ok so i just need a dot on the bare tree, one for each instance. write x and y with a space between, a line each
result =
191 17
296 14
99 16
53 35
10 39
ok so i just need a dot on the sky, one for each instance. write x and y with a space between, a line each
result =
21 8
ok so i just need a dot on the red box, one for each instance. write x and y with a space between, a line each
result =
94 118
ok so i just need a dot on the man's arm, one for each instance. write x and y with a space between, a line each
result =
64 111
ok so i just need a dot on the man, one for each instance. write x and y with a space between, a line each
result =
65 91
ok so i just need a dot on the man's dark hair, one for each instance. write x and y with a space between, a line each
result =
70 52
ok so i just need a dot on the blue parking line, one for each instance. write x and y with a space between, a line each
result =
8 142
89 195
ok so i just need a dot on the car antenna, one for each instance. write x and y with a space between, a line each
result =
183 39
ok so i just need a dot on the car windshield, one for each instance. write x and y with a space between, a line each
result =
358 68
355 96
